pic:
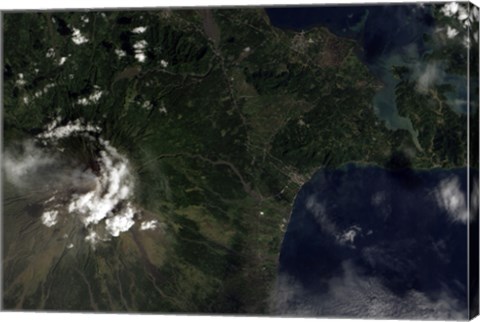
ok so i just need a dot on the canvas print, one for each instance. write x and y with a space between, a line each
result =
314 161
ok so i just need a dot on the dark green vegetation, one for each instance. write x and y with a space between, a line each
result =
443 136
442 130
221 139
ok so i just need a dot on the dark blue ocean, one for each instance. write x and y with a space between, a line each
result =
393 236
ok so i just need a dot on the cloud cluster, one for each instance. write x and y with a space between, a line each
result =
49 218
352 295
100 197
464 13
108 203
140 47
78 38
113 187
342 237
93 98
349 235
55 132
149 225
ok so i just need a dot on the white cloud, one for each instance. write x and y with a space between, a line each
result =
50 53
452 199
140 56
462 12
450 9
140 47
121 222
100 198
139 30
114 186
475 13
62 61
20 80
54 132
92 98
92 238
147 105
50 200
120 53
451 32
149 225
49 218
141 44
78 38
41 92
349 235
163 110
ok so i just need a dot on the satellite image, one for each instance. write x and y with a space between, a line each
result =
317 161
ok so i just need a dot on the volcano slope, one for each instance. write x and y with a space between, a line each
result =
151 158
